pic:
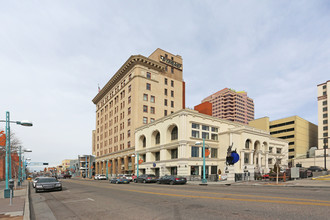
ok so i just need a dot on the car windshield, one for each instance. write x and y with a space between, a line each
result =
47 180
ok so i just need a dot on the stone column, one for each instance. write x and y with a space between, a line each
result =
133 164
96 167
259 160
266 163
242 159
119 165
113 166
251 158
126 163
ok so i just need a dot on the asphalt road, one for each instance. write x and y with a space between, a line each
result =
83 199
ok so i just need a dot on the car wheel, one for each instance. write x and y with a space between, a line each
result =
158 181
60 189
144 181
172 183
37 191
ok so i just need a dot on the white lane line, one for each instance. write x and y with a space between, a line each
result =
91 199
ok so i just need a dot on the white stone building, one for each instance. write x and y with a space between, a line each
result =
168 146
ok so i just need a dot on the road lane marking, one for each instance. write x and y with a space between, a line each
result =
307 201
78 200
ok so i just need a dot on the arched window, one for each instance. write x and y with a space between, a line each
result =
247 144
174 133
144 144
157 138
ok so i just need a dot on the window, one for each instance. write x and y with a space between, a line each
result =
214 137
196 126
172 83
324 93
174 133
213 129
325 122
148 86
145 108
195 134
214 153
145 120
165 91
129 88
325 128
157 156
172 70
172 93
165 81
246 158
129 122
194 170
172 104
325 115
152 119
270 149
205 128
152 110
325 102
325 109
129 99
157 138
194 151
291 150
324 86
270 161
128 144
278 150
128 133
165 112
325 134
152 99
174 154
145 97
144 142
165 102
148 75
129 111
205 135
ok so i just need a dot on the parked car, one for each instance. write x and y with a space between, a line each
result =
67 176
127 176
172 180
118 180
146 178
35 181
315 168
48 184
100 177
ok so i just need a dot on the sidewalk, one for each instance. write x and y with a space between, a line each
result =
20 203
309 182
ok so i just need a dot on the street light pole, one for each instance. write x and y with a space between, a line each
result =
325 146
107 169
204 181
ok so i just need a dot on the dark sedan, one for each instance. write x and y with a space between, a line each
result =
146 178
119 180
48 184
172 180
315 168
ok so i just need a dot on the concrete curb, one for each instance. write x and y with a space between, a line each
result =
26 212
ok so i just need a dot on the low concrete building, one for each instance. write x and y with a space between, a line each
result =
168 146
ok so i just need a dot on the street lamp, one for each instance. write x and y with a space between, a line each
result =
8 153
325 146
20 168
204 181
137 164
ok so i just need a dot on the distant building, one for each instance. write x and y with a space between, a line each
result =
300 133
228 104
86 165
142 90
323 103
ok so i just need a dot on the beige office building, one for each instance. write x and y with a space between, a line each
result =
300 133
323 100
142 90
168 146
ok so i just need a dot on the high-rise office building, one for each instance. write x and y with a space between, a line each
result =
228 104
323 100
142 90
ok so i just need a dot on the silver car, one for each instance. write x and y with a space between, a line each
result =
48 184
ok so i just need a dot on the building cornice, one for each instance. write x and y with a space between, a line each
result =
124 69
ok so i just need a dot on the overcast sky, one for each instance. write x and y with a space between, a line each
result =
53 55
